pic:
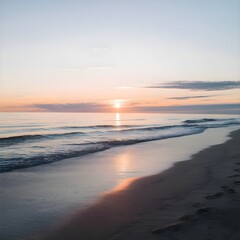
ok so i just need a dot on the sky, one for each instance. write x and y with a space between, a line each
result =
128 55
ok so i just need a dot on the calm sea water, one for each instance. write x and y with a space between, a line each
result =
29 139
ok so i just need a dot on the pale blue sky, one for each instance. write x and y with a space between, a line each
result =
55 51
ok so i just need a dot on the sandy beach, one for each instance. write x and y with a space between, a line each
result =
196 199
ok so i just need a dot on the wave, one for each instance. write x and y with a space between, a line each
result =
207 120
179 132
113 129
8 141
151 128
111 137
98 126
214 123
21 162
200 120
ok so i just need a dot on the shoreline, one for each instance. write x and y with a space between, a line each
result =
192 200
48 195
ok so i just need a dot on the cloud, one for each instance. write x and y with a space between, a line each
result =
190 97
200 108
199 85
96 107
72 107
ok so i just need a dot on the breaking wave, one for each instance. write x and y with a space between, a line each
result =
101 137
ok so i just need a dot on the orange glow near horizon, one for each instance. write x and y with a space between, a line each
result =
55 103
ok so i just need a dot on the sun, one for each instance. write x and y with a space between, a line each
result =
117 105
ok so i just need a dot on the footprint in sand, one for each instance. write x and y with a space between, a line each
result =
187 217
182 220
173 227
234 176
197 205
214 196
203 210
200 211
228 189
237 182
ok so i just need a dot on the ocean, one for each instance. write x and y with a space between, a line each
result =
89 154
30 139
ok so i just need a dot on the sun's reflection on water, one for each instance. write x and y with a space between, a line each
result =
123 185
117 119
123 163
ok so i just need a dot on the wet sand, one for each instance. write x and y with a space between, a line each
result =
197 199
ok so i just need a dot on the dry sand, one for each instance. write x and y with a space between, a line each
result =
197 199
